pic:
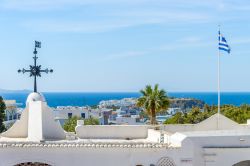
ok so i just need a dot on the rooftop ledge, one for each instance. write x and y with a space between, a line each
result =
83 144
97 136
126 132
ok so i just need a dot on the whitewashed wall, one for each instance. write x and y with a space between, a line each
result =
86 156
112 131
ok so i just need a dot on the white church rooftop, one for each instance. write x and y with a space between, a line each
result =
37 125
198 144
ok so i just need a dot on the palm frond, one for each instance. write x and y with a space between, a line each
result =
153 100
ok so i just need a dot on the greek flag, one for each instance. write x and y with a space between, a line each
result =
223 43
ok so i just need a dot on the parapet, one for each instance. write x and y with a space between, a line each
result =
112 131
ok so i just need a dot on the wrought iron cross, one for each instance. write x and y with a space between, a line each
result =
35 70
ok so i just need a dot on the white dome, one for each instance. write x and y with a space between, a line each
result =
35 97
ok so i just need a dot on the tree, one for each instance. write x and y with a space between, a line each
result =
194 116
91 121
239 114
2 114
71 123
153 101
178 118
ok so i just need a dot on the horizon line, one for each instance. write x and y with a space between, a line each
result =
30 91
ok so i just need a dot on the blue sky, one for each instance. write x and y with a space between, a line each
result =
122 45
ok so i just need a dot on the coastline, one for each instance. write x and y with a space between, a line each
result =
93 98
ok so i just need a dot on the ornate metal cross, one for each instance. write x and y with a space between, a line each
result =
35 70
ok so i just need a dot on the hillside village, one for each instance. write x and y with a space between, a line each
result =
108 112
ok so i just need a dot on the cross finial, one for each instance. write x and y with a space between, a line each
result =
35 70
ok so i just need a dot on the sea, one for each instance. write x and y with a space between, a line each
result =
55 99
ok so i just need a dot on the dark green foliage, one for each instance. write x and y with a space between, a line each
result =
94 106
91 121
238 114
186 104
178 118
2 114
71 123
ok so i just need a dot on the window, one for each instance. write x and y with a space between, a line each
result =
83 115
69 115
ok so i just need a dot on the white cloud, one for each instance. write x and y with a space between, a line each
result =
178 44
187 42
107 15
233 6
164 15
38 5
190 39
34 5
245 40
82 26
129 54
112 21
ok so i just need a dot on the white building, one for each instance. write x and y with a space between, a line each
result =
12 113
62 113
129 120
38 140
173 111
118 103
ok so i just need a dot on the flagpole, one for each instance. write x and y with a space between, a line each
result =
218 84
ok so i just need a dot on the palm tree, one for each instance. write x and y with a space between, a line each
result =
153 101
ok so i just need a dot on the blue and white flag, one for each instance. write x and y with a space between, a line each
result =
223 44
